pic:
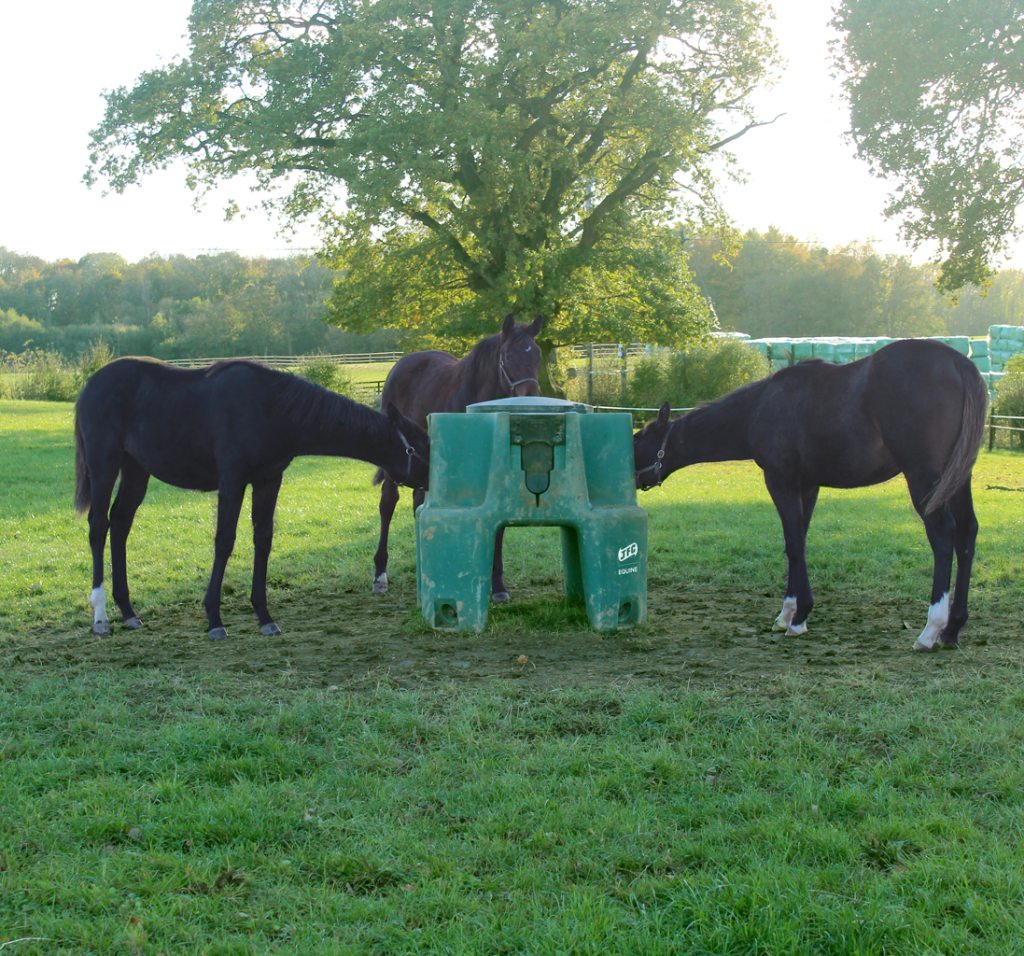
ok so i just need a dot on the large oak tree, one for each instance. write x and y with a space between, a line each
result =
467 157
935 90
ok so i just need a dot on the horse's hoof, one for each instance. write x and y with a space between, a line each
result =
218 633
133 623
380 585
795 630
918 646
101 629
269 630
499 597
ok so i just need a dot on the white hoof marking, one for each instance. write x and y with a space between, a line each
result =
938 618
98 600
785 617
380 585
796 629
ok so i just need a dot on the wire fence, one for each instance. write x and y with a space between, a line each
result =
293 361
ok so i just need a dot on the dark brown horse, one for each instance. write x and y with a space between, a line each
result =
219 429
915 406
422 383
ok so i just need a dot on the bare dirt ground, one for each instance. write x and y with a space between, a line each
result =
703 638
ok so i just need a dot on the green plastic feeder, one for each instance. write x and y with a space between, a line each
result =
522 462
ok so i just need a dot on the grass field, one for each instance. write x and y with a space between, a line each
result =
167 809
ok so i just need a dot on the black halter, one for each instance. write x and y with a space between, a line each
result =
658 466
412 453
512 385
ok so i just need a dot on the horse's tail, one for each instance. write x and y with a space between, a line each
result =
965 451
378 476
83 487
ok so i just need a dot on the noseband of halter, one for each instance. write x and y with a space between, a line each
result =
658 466
411 452
512 385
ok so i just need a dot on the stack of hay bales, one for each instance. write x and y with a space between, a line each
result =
1004 341
989 355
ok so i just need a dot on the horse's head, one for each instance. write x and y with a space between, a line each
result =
414 459
649 446
519 356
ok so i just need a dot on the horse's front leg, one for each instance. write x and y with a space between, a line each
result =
229 507
795 507
264 501
388 503
130 494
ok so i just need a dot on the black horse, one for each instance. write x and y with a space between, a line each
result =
421 383
915 406
220 428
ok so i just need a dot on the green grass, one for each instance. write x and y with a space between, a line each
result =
166 814
146 811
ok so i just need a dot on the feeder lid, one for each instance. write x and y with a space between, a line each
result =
529 405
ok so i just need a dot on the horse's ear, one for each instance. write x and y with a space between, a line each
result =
508 326
535 326
663 413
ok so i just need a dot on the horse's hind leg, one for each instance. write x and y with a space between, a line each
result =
102 481
229 507
962 508
388 503
941 528
264 501
130 494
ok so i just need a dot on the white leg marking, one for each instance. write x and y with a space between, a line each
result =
98 600
782 622
938 617
380 585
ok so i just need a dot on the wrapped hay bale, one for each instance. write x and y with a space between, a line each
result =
979 348
803 349
982 362
823 349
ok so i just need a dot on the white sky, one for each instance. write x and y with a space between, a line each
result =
57 59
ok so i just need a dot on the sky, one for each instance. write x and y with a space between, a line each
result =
802 176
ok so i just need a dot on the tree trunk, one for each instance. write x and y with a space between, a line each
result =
548 386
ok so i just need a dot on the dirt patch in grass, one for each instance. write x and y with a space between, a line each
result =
701 638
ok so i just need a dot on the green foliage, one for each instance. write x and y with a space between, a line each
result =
18 332
39 375
92 361
934 92
179 307
321 370
777 285
495 156
701 374
1009 395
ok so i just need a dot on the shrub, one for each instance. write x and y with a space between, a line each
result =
322 370
92 361
1009 393
701 374
38 375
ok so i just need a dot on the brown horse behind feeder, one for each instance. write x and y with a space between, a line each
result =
421 383
916 406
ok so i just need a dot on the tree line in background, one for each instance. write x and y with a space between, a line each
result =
175 307
224 304
780 286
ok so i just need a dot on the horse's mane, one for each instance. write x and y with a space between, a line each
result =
481 353
318 407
